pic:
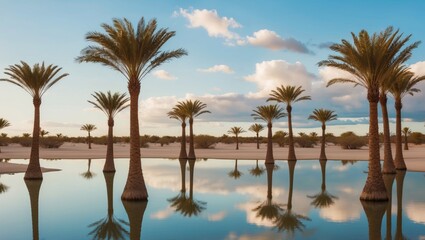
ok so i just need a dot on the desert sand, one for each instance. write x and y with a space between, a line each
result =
414 157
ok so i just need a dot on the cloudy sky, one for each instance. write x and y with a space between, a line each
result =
238 52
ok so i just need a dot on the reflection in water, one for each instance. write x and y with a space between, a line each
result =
345 162
374 213
235 173
187 206
323 199
135 211
88 174
256 171
109 227
388 181
33 187
3 188
399 177
290 221
268 209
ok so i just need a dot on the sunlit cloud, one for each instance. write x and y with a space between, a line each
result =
217 216
271 40
217 68
415 211
162 214
162 74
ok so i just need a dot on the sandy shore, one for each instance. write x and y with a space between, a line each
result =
414 157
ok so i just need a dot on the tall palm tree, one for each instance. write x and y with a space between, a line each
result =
371 61
89 128
323 116
406 132
289 95
133 53
268 113
236 131
111 104
36 81
257 128
404 84
192 109
178 113
3 123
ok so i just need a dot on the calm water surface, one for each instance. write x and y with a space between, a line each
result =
210 199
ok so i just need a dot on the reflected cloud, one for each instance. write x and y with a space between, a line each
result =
216 217
415 211
260 236
162 214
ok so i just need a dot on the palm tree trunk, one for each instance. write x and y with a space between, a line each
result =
237 142
374 189
33 187
291 150
109 180
183 154
135 212
389 180
406 144
269 154
191 172
323 168
374 213
34 170
291 167
109 162
135 188
191 143
258 142
389 167
322 147
89 140
400 182
399 159
269 169
183 174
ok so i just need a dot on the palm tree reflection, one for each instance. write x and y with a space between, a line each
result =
235 173
109 227
374 213
187 206
388 181
323 199
135 211
400 182
290 221
33 187
88 174
3 188
256 171
268 209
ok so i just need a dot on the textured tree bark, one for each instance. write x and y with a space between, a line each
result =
406 144
237 142
183 154
322 147
109 162
374 189
135 212
400 182
109 180
269 154
374 213
258 142
291 150
33 187
34 171
389 167
191 143
389 180
89 139
399 159
135 188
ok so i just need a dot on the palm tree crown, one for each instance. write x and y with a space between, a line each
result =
177 113
193 109
256 128
288 95
88 127
268 113
110 103
236 131
4 123
322 115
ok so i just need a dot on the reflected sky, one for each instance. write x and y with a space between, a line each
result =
217 205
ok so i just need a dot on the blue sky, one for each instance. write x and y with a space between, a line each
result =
238 51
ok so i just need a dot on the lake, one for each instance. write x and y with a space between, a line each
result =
210 199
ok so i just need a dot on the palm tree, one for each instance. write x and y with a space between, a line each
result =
133 53
3 123
236 131
178 201
323 199
403 85
268 113
36 81
88 174
323 116
371 61
178 113
43 133
406 132
192 109
256 171
235 173
89 128
111 105
257 128
400 175
289 95
109 227
389 180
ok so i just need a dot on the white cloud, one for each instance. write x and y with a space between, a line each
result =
271 74
217 216
217 68
415 211
215 25
271 40
162 74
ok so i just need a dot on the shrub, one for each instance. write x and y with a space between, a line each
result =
25 141
51 142
350 140
305 141
164 141
205 141
280 138
144 141
416 138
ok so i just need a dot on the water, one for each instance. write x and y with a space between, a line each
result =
225 201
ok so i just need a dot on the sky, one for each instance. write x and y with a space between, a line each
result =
238 51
